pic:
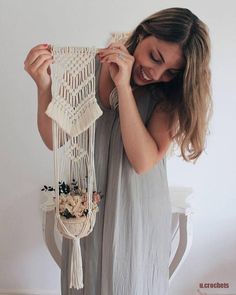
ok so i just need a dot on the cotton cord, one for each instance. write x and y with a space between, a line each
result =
73 111
76 271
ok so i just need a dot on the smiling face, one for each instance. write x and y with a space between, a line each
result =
156 61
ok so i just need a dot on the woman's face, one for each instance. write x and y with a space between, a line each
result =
156 61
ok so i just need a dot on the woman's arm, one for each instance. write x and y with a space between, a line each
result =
44 122
144 146
37 64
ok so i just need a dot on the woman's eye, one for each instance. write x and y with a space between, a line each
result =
155 59
171 74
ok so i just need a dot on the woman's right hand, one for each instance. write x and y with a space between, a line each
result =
37 64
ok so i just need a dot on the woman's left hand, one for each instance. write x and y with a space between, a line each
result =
120 63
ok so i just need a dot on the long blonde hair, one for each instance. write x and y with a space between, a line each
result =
189 94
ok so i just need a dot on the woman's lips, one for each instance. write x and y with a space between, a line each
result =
142 75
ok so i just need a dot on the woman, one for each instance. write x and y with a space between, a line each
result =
162 78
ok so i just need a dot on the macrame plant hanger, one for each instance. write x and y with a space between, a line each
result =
73 111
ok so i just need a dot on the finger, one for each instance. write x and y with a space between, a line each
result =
115 51
110 58
41 46
39 62
45 65
120 56
37 48
34 55
120 60
114 58
118 45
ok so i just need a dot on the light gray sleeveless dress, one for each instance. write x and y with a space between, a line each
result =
128 251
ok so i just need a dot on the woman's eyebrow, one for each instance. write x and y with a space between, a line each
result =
162 58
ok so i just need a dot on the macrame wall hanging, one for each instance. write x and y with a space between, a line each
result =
74 110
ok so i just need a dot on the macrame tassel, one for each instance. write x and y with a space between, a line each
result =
119 37
76 270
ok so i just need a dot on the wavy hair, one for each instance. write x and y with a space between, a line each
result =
188 95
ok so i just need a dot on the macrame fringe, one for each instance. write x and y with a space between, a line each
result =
83 117
118 37
76 270
113 99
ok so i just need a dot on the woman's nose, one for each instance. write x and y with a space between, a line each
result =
157 74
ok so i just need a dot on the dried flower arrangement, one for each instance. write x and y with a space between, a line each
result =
73 201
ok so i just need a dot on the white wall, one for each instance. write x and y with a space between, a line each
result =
26 163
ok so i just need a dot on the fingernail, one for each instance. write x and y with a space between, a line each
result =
45 45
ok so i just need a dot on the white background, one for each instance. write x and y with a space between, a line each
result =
26 163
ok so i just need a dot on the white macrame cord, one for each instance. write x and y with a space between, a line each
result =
73 111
